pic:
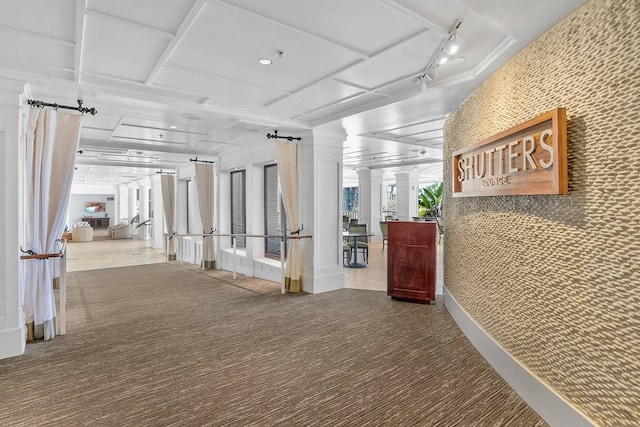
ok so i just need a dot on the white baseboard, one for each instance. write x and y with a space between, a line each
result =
554 409
12 342
320 284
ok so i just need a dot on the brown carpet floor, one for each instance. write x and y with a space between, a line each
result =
163 344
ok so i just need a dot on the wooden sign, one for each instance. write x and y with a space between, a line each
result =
530 158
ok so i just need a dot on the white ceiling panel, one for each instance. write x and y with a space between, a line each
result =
24 45
128 158
215 86
335 109
117 49
517 18
407 58
95 134
164 15
59 22
151 134
364 25
101 121
418 128
163 126
149 65
249 126
319 95
229 42
226 136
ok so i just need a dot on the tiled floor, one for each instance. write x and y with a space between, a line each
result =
106 253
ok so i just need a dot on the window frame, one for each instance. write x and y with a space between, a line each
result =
241 242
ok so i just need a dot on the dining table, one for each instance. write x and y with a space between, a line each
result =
354 236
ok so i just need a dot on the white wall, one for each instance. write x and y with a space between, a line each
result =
12 330
77 204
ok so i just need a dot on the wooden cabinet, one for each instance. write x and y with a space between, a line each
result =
411 261
96 222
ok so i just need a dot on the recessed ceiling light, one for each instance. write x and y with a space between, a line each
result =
265 61
173 127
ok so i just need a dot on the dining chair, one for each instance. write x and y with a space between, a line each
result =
383 230
346 255
363 241
440 228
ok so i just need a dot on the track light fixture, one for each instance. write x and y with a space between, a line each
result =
444 52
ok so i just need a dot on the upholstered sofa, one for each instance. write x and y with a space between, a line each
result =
120 231
82 233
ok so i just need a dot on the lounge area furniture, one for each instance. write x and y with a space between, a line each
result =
362 241
120 231
96 222
383 230
82 232
346 255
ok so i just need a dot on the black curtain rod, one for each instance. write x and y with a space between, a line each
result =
201 161
288 138
160 172
41 104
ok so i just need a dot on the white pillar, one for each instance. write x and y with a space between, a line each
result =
122 203
320 166
144 202
143 206
158 241
369 192
255 209
12 114
132 209
407 195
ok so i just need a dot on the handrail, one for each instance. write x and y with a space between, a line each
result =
41 256
234 237
61 322
273 236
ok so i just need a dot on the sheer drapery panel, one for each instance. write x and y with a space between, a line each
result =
51 147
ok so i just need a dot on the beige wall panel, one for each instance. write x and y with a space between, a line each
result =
556 279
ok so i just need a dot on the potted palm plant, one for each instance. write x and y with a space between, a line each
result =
430 201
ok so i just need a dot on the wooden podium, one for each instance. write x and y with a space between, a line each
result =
411 261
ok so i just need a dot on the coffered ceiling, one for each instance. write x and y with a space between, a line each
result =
173 79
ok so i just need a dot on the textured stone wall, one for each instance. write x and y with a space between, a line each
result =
556 279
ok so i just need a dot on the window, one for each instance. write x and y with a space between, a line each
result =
238 203
350 199
275 219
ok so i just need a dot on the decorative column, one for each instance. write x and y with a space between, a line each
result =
12 119
122 203
144 206
131 208
158 240
369 192
320 166
407 195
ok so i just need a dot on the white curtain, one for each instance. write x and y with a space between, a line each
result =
287 157
168 185
204 188
51 147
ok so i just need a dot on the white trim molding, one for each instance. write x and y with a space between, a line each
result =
552 407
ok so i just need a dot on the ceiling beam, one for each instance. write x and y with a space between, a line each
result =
130 23
323 39
184 27
414 16
40 36
37 62
81 6
220 76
